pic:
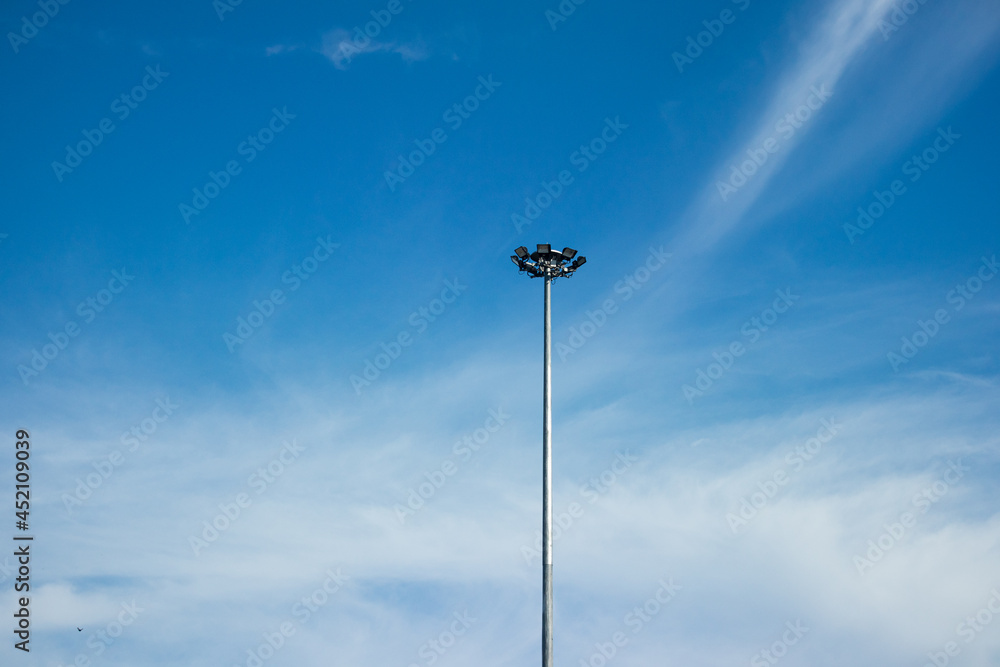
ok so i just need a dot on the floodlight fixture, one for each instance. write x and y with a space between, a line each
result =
546 262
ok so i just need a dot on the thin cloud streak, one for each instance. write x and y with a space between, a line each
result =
340 49
838 40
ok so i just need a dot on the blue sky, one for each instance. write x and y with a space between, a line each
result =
254 267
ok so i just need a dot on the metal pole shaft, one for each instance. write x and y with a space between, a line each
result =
547 486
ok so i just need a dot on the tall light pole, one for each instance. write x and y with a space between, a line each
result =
548 264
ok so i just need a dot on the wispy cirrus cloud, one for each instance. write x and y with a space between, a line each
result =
843 36
341 49
667 517
836 41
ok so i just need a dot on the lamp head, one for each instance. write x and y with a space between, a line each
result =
546 262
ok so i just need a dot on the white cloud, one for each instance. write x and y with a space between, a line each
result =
340 49
835 42
281 48
665 518
944 58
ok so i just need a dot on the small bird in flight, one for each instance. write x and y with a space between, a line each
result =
79 629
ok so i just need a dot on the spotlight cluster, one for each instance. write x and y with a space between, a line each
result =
546 262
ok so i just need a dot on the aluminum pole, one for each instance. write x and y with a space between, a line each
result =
547 485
